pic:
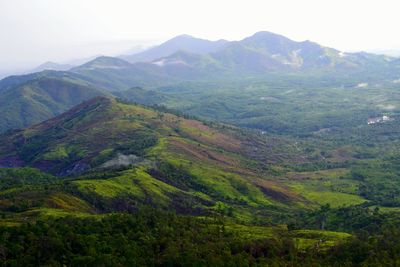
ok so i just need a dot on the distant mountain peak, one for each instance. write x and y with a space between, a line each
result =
105 62
183 36
50 65
108 59
266 35
181 42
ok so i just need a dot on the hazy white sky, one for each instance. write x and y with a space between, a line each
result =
35 31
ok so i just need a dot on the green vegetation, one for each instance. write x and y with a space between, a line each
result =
307 183
171 161
136 183
40 99
327 187
138 156
14 178
156 238
148 238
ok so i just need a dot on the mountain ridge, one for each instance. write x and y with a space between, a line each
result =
259 54
50 65
256 56
40 99
181 42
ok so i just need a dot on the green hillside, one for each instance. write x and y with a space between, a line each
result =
258 82
184 164
40 99
234 188
175 161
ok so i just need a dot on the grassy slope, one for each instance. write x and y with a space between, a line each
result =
326 187
187 165
212 158
213 162
216 174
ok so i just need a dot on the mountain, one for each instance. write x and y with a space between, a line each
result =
113 74
146 97
181 42
158 157
285 52
265 52
40 99
186 58
260 55
104 62
52 66
15 80
306 55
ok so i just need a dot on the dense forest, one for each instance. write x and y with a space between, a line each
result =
156 238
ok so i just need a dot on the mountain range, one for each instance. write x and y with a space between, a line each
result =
186 59
260 54
182 42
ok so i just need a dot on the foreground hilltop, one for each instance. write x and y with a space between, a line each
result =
148 156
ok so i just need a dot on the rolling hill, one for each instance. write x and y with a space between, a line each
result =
113 74
114 150
39 99
170 160
115 169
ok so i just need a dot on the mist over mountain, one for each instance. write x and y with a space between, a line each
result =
395 52
52 66
182 42
265 51
188 59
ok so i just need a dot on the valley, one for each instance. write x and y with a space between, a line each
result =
261 152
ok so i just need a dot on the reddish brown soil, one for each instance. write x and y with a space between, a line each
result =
212 137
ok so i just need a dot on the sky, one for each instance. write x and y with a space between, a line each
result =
36 31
